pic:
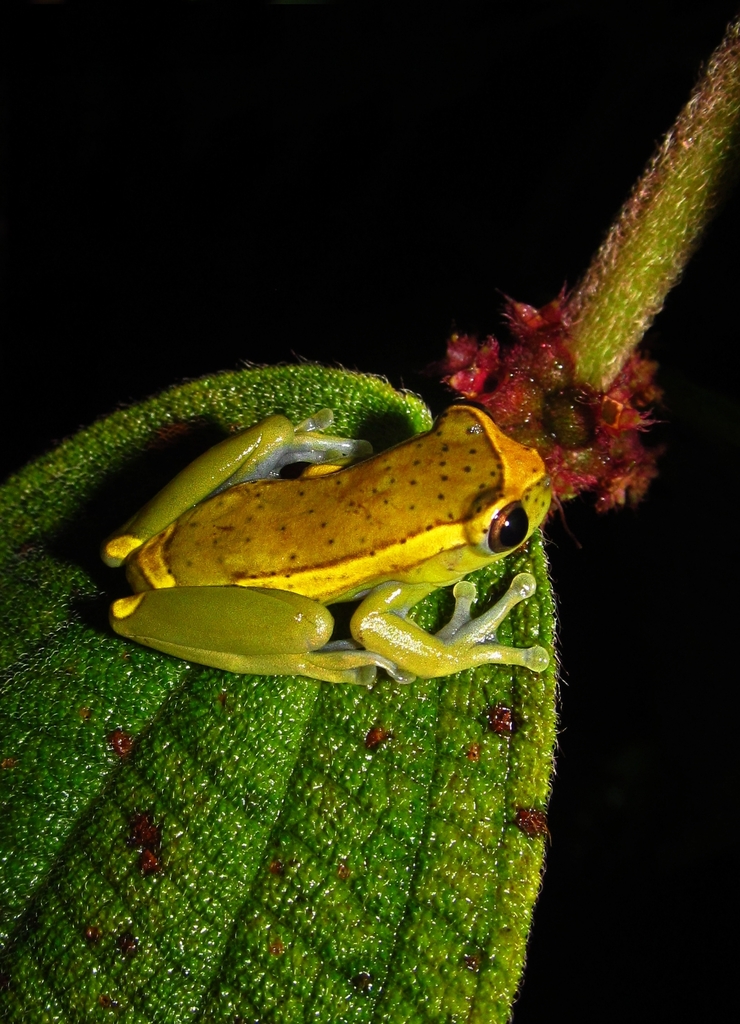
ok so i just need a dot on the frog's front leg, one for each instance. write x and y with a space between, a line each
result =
245 630
253 454
381 625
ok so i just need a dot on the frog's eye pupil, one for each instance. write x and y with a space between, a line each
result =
508 528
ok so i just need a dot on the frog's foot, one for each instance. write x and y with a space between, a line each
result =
463 629
308 444
381 625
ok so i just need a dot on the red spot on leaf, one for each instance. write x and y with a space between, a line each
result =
532 822
376 736
120 742
276 867
149 862
501 719
472 962
93 934
169 433
127 944
143 832
473 752
277 947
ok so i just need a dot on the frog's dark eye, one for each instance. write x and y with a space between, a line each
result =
508 528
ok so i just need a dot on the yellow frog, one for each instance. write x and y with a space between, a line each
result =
233 566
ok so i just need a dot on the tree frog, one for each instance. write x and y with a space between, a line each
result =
233 566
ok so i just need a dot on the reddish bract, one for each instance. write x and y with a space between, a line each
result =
590 440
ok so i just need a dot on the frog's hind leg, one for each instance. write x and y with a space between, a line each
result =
381 624
244 630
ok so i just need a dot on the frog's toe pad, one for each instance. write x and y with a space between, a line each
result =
537 659
522 586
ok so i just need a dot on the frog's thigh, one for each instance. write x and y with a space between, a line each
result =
225 627
241 629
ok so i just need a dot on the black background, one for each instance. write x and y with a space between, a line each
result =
189 194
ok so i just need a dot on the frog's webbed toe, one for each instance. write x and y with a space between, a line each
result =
463 631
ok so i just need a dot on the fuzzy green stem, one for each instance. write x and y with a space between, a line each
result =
659 227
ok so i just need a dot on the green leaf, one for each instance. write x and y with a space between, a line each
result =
270 849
